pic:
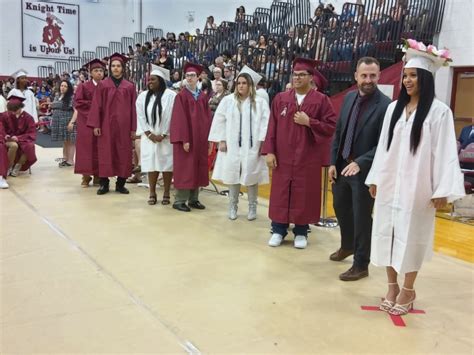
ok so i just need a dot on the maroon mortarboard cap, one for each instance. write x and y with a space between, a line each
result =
94 64
319 80
304 64
117 56
192 67
16 99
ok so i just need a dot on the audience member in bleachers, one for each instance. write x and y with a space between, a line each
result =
154 108
20 134
466 136
299 118
190 124
218 94
240 14
217 74
62 114
210 25
239 127
418 132
164 60
113 118
317 19
87 161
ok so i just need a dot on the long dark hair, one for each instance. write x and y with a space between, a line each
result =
159 95
67 98
426 92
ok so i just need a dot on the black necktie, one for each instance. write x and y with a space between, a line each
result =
346 150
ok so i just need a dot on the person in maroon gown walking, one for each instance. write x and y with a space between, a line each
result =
301 120
114 120
189 129
87 161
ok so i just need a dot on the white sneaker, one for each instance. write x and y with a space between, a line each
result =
300 242
3 183
275 240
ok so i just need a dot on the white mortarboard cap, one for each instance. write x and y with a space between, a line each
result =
161 72
254 75
423 60
18 73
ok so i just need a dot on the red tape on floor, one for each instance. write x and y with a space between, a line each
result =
396 320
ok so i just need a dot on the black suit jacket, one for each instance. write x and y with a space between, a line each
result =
367 131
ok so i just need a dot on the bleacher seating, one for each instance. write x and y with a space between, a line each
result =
337 41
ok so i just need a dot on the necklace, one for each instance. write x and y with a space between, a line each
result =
410 110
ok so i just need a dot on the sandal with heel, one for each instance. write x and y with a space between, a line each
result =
402 309
152 200
387 305
166 200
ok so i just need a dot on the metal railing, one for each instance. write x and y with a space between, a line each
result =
337 41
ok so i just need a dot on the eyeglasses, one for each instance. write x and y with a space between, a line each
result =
190 75
300 75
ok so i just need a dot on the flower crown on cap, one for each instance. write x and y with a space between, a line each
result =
442 54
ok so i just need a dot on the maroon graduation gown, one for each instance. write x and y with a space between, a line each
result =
113 111
3 152
295 195
190 123
87 160
24 129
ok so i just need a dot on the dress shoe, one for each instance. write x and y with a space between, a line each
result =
181 207
354 274
341 254
197 205
122 190
103 189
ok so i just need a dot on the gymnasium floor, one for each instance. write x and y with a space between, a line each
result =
82 273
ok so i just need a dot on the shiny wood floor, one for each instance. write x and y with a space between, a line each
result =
451 237
88 274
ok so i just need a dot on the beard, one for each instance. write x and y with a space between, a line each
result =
367 89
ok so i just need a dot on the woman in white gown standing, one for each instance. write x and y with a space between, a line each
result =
154 108
239 127
415 171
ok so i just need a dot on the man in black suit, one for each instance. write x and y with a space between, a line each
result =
353 149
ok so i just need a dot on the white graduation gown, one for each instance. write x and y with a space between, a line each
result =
240 165
31 102
155 156
3 104
406 183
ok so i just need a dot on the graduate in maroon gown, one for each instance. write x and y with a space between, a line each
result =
20 135
87 160
114 120
301 120
3 158
189 129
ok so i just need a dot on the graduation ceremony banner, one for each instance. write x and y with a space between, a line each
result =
50 30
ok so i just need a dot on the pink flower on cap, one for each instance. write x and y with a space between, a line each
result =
444 53
412 43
